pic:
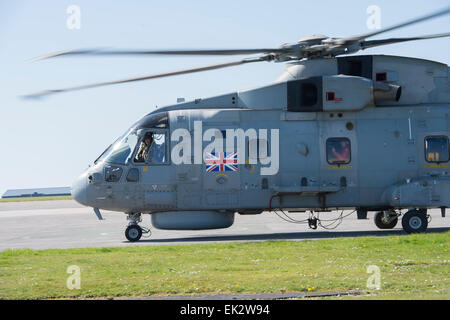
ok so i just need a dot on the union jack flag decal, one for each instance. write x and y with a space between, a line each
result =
224 161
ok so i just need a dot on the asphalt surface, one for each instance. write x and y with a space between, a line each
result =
66 224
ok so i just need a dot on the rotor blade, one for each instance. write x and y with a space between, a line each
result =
104 52
397 26
154 76
375 43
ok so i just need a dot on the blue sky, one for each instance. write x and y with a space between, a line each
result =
49 142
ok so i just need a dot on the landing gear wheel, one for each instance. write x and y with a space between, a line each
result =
133 233
415 221
384 221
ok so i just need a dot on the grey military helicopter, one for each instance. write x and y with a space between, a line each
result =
333 132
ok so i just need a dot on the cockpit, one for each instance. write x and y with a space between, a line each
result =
143 143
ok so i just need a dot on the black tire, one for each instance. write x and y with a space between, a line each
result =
133 233
415 221
381 223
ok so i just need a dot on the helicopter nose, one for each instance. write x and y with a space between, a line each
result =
78 190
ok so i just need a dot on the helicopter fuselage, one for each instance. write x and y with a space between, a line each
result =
364 132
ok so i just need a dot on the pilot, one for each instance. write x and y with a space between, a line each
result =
143 152
343 151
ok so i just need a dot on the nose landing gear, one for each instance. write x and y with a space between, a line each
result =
134 231
413 221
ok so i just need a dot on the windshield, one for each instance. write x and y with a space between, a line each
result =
120 151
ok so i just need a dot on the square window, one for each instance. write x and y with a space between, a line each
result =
436 149
338 151
330 96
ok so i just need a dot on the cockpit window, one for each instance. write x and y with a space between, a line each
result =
157 120
121 150
118 151
152 149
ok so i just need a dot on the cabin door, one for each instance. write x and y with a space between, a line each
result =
339 160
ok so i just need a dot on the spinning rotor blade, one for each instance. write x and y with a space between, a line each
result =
154 76
375 43
104 52
397 26
302 49
336 46
308 48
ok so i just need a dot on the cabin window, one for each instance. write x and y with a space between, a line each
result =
436 149
338 151
152 149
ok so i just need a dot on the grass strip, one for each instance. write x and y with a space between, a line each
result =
411 267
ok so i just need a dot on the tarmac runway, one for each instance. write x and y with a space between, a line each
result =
66 224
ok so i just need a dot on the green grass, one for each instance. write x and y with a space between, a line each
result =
35 199
412 267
